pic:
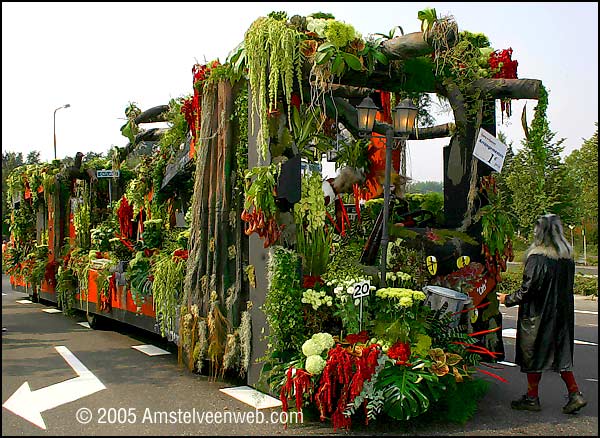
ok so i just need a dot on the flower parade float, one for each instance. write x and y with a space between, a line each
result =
221 233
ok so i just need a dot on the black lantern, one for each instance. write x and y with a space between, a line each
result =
367 110
404 116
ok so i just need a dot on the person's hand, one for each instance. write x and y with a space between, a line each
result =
501 297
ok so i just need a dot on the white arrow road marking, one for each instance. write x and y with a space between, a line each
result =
30 404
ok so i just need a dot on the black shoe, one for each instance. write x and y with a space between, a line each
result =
526 403
576 402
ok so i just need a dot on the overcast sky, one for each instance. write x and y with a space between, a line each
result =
98 57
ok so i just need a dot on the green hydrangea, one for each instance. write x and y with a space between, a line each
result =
324 340
339 34
311 348
314 364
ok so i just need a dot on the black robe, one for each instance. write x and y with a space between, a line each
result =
546 324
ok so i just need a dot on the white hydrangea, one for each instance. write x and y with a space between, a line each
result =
311 348
314 364
317 25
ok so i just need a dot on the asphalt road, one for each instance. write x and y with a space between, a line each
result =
140 390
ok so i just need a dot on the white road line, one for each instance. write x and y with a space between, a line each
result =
510 364
588 312
24 301
52 310
512 333
592 380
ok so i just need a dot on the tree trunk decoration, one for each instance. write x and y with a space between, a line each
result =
214 244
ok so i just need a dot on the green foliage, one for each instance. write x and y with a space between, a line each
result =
312 238
101 236
458 403
403 396
259 194
240 120
66 285
353 154
283 306
138 271
305 133
168 272
82 216
428 17
153 233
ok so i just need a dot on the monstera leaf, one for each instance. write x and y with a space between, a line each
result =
404 390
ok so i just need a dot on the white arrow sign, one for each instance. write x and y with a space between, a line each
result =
30 404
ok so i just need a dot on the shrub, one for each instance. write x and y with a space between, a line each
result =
584 285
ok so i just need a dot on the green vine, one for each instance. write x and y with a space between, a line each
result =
273 55
169 273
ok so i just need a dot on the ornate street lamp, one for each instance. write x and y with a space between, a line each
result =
403 117
60 107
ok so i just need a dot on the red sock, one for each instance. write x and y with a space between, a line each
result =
533 380
569 379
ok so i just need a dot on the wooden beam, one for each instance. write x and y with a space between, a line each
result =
407 46
509 88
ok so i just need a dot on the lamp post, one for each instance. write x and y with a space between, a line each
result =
60 107
403 117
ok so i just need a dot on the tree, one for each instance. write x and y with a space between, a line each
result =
582 169
33 157
537 178
10 161
425 187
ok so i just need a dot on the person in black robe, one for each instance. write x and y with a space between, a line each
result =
546 319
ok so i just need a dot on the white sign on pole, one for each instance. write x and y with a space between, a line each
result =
107 173
361 290
490 150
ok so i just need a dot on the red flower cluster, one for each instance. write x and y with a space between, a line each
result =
432 236
125 215
181 254
400 352
501 61
187 109
310 281
360 337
